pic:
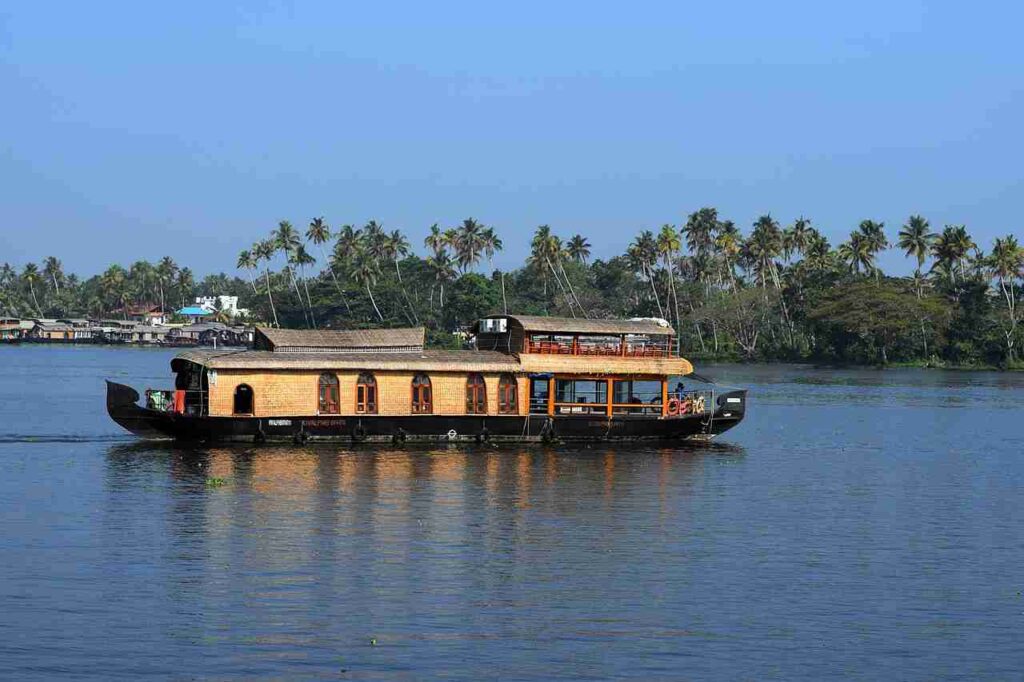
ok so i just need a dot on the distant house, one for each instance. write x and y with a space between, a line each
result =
148 334
51 330
146 313
226 304
210 334
195 313
10 329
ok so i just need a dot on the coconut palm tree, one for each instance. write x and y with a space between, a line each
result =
263 251
727 245
54 272
443 267
185 284
795 237
916 240
30 275
546 249
818 252
578 248
396 247
319 232
1007 265
858 253
643 253
365 270
286 239
762 248
436 240
302 259
699 231
491 244
468 244
246 262
113 285
166 269
669 243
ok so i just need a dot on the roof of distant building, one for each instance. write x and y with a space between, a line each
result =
194 310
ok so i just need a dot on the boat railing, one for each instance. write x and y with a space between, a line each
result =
181 401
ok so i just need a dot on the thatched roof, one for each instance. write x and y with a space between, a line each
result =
306 341
603 365
426 361
571 325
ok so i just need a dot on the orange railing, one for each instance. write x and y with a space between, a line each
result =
605 350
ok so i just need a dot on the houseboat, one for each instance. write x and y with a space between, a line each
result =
526 378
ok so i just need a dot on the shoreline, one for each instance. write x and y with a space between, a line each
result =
697 360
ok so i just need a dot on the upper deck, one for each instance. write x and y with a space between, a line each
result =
646 338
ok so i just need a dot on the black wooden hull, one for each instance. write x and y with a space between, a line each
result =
123 409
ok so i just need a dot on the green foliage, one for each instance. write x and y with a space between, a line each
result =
780 293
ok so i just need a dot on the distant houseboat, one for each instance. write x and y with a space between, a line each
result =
528 379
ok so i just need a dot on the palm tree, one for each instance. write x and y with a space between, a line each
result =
643 253
263 251
166 268
396 247
1007 265
53 271
916 240
31 275
795 238
818 252
874 236
444 271
186 285
858 253
286 239
699 231
468 244
578 248
669 242
728 243
319 232
546 249
762 248
491 244
950 249
365 271
302 259
436 240
246 262
113 287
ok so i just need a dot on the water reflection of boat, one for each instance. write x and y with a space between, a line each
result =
528 379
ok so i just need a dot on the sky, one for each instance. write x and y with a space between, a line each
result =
137 130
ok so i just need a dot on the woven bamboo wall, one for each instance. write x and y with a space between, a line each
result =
295 393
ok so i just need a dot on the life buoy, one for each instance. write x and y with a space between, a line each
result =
672 407
686 406
698 405
452 434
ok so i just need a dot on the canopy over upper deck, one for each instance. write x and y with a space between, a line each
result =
404 340
531 334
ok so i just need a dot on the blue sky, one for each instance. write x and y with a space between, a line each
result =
138 130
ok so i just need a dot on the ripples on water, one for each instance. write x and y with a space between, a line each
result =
859 524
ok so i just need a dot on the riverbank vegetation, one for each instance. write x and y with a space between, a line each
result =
775 293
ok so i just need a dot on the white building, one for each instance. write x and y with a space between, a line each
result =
228 304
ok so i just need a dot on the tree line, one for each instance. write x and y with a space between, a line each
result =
775 293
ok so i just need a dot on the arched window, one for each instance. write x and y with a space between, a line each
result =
508 395
243 399
366 394
476 394
421 398
330 394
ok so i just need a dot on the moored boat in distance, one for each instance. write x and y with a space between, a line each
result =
527 378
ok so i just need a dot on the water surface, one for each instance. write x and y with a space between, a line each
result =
859 523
